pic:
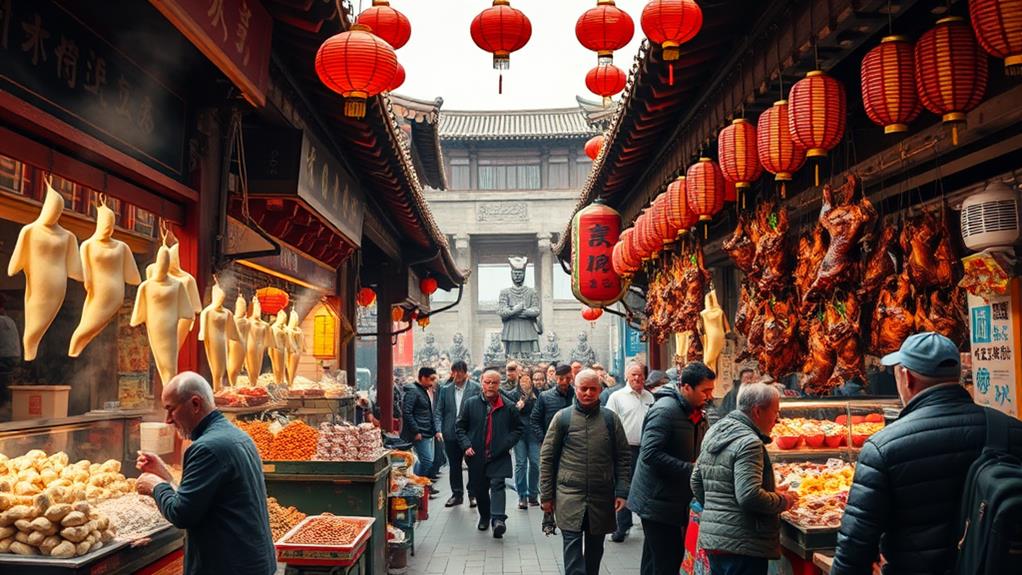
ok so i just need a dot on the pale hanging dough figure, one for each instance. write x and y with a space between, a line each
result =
160 303
107 264
185 325
216 330
715 328
296 339
236 348
258 340
48 254
682 341
279 343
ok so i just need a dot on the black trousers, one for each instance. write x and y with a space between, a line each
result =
491 497
624 517
455 458
663 548
583 550
737 565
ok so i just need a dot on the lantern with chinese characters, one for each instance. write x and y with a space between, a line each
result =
500 30
357 65
272 300
998 27
399 78
604 29
387 23
365 297
594 231
816 118
951 71
606 80
779 153
593 146
428 285
889 84
739 157
671 23
324 333
678 212
704 186
591 313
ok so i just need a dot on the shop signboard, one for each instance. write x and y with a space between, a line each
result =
233 34
633 343
995 336
404 347
74 67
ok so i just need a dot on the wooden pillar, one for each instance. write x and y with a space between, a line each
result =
384 357
656 356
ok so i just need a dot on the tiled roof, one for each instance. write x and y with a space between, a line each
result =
515 125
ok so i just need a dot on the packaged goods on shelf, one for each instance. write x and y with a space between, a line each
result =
338 442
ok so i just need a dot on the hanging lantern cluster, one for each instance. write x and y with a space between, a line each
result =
594 145
998 27
501 30
951 71
358 65
889 84
739 157
704 186
603 30
595 230
669 24
365 297
816 119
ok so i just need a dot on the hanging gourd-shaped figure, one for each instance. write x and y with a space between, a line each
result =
236 348
216 329
278 347
296 347
191 288
48 254
107 264
714 329
258 341
161 302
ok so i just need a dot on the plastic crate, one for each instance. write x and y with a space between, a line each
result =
311 554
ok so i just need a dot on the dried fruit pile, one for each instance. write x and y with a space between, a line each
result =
328 530
282 519
259 431
295 442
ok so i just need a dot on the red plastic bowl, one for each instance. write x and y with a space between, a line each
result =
858 439
815 441
788 441
834 441
874 418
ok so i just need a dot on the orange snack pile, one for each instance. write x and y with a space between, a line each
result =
327 530
259 431
296 442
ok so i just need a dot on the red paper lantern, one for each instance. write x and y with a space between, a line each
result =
399 78
501 29
778 152
428 285
397 313
739 158
671 23
606 80
387 23
951 71
619 258
593 146
889 84
591 313
594 231
365 297
604 28
681 216
357 65
998 27
817 115
704 186
663 225
272 300
730 191
646 239
630 261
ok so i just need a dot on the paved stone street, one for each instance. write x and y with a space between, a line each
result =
449 543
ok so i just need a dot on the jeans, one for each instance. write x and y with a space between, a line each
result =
624 517
583 551
527 467
663 548
455 458
737 565
490 497
424 451
439 458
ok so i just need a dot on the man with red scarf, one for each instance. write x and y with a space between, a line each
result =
488 429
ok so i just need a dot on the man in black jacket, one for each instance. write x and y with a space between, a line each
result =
488 429
450 400
552 400
660 494
910 476
421 424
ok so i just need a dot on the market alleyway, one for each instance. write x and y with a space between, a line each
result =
449 544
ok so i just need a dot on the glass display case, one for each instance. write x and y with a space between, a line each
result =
96 437
825 428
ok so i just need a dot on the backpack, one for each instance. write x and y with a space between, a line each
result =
991 513
564 422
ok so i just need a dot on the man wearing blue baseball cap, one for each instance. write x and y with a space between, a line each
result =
910 476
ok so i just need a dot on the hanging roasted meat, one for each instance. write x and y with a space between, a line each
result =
845 221
754 337
773 260
944 256
746 310
811 250
946 313
918 242
780 352
880 264
892 319
695 279
820 358
842 317
740 247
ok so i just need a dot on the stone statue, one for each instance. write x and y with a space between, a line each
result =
583 352
518 307
494 354
429 354
458 351
552 350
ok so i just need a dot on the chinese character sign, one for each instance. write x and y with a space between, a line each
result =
995 337
594 231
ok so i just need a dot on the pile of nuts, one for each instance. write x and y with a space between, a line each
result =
295 442
259 431
282 519
327 529
349 443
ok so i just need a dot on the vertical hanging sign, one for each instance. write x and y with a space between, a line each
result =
996 340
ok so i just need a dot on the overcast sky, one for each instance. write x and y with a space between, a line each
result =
441 59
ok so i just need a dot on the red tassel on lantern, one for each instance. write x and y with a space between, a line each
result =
358 65
998 27
704 186
739 158
604 29
778 152
951 71
387 23
606 80
501 29
889 85
593 146
817 115
681 216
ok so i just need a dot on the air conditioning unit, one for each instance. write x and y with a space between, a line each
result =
992 218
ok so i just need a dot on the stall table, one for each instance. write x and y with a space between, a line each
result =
115 559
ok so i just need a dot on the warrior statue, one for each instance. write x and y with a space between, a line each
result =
429 354
458 351
552 350
494 354
583 352
518 308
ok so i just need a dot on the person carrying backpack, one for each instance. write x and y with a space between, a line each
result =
584 474
910 478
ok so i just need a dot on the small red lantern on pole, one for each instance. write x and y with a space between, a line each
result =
704 185
998 27
365 297
817 116
671 23
951 71
779 153
428 285
501 29
358 65
593 146
387 23
604 29
591 313
739 157
889 84
606 80
594 231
